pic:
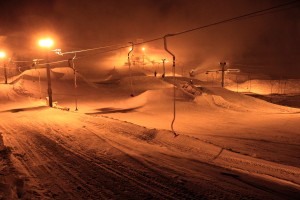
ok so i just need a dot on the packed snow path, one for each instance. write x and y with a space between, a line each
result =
65 155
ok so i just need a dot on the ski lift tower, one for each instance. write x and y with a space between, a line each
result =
222 64
223 70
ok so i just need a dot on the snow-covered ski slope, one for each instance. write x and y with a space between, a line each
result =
240 146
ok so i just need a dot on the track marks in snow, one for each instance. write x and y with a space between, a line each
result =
195 148
103 158
74 172
196 162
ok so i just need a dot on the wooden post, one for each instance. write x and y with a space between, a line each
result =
223 72
5 72
49 81
164 69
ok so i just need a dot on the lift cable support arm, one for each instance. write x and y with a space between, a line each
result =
174 94
129 65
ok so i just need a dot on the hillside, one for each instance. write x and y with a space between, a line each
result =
119 146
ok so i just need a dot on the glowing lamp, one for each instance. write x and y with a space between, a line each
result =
2 54
46 42
143 49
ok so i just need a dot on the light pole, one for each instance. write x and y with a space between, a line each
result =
129 64
2 56
164 73
223 71
47 43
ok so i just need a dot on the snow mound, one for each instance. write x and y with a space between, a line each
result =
112 78
158 98
143 83
226 99
154 96
7 93
63 74
221 102
189 89
117 74
33 83
113 75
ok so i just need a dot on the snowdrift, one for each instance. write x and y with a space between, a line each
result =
8 93
34 83
115 75
159 97
154 93
147 90
143 83
63 74
212 98
226 99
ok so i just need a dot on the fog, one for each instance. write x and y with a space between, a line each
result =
266 44
119 125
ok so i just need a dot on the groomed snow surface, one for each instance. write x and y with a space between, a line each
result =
115 146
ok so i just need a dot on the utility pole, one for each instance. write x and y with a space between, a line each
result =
164 73
5 72
49 80
46 44
223 72
129 64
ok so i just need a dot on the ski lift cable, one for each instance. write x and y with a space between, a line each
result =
54 62
241 17
273 11
69 52
107 51
269 10
91 49
63 53
261 12
22 61
255 13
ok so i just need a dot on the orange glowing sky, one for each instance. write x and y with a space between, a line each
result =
264 44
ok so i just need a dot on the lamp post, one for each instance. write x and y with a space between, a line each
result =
223 72
129 64
47 43
164 73
2 56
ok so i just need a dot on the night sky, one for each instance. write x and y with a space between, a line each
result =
266 44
